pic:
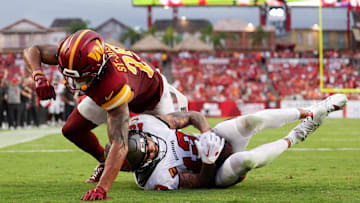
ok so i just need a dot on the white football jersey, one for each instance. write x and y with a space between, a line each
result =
178 150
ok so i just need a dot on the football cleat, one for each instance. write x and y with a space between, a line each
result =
313 120
97 174
332 103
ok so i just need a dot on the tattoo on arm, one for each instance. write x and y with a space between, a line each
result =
118 124
178 120
204 179
189 180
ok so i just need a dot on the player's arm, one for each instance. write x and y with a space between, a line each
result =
205 179
209 148
118 125
38 54
33 58
178 120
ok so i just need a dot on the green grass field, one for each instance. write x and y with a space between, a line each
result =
328 171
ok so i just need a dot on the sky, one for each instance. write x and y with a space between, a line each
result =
98 11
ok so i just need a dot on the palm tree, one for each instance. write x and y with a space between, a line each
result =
215 39
76 25
206 33
151 31
259 36
170 37
131 35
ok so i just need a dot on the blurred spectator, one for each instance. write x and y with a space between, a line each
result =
43 113
25 97
69 101
31 105
13 89
2 99
56 107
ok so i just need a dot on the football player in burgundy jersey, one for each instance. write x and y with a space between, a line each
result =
163 158
115 81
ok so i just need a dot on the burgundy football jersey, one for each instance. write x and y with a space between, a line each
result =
127 72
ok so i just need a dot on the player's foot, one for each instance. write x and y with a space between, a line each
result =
313 120
332 103
97 174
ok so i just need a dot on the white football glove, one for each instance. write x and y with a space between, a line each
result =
209 147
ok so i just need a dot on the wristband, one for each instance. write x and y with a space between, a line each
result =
36 73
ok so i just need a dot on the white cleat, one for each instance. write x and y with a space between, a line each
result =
332 103
308 125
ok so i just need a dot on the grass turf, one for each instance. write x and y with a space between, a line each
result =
330 175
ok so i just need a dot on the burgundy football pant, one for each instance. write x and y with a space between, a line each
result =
77 129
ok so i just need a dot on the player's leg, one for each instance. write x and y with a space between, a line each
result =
239 164
238 131
166 103
317 114
77 129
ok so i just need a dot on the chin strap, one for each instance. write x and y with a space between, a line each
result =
103 65
98 74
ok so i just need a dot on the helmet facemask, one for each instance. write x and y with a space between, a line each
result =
82 81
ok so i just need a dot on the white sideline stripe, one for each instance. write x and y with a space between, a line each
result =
75 150
326 140
324 149
30 151
13 137
340 139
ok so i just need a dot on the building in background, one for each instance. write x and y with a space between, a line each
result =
182 28
307 38
243 35
24 33
59 27
111 30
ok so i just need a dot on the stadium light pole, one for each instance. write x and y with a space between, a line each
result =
149 24
175 13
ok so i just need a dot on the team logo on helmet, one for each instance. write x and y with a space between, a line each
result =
97 52
81 58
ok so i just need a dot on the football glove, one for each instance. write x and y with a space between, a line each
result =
95 194
42 86
209 147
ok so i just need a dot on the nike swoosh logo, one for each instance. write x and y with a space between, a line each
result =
207 155
107 98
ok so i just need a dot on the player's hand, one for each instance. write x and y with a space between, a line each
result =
95 194
209 147
42 86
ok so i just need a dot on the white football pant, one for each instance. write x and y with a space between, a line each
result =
96 114
238 132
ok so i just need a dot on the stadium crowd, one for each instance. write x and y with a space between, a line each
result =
214 76
266 76
19 105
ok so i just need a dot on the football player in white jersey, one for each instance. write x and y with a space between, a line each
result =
164 158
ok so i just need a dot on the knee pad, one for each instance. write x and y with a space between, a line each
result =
242 162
